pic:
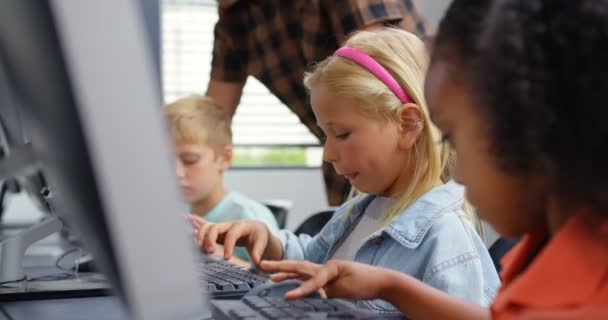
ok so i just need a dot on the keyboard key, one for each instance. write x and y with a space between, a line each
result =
321 305
340 315
256 302
243 314
301 305
272 313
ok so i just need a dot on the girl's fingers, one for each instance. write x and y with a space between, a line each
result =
282 276
319 280
300 267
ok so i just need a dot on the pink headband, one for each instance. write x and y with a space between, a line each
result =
375 68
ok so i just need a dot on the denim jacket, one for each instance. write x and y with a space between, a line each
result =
430 241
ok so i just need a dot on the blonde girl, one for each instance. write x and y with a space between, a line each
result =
368 100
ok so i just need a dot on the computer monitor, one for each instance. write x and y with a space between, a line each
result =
83 75
14 177
11 133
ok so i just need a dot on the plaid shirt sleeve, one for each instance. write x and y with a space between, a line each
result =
230 54
348 16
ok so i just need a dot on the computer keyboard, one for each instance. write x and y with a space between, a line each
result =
255 307
223 279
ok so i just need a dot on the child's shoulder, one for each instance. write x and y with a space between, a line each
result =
571 270
241 207
241 203
446 198
438 213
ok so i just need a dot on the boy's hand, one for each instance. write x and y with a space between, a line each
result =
253 235
340 279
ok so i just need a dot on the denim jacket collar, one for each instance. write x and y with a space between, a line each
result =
410 228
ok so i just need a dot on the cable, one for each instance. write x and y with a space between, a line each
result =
67 273
53 277
65 254
4 283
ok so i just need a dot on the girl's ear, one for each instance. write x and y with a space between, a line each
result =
411 123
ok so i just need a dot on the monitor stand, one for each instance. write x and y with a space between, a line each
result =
13 248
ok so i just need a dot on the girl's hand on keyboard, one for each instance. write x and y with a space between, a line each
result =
252 234
340 279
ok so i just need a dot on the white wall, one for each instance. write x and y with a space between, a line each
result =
432 10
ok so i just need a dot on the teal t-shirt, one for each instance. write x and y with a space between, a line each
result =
236 206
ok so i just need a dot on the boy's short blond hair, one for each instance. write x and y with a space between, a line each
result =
199 119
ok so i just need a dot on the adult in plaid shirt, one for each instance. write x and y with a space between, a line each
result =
275 40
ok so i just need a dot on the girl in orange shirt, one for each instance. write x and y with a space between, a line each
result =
518 88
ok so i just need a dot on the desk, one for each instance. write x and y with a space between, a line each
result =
82 308
40 261
94 308
55 287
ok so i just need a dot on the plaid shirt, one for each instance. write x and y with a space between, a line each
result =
276 40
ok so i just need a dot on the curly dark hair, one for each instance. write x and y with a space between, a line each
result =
546 67
540 71
457 38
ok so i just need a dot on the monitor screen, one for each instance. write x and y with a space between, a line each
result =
83 75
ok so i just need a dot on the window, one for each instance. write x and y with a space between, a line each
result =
266 133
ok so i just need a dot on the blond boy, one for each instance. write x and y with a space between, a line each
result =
201 133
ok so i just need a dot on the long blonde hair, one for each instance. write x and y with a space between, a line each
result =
406 58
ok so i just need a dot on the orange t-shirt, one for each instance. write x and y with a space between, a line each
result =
568 279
